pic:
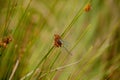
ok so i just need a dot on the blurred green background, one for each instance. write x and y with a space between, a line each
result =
92 37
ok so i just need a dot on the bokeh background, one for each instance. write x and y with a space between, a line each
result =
93 38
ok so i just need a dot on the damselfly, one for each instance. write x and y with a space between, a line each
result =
58 42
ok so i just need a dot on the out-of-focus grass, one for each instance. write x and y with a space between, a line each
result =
93 38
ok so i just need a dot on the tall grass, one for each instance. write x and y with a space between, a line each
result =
92 36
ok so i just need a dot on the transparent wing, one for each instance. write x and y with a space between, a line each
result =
67 50
65 44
